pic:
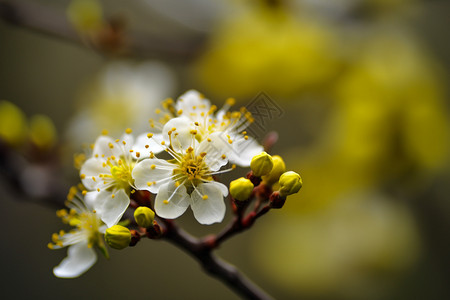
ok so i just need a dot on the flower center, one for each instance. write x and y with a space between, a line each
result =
122 175
192 168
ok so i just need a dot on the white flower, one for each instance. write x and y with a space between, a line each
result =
107 176
122 95
204 118
87 234
193 105
186 180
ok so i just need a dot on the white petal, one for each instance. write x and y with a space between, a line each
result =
178 201
151 173
192 103
217 149
210 210
182 138
223 188
110 209
93 167
244 150
89 199
153 145
79 259
103 147
129 142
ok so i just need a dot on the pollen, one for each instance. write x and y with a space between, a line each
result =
180 112
157 111
152 167
93 178
196 124
163 143
194 131
224 156
123 142
117 140
111 145
113 196
82 176
246 137
205 197
166 201
128 131
146 146
149 183
104 132
231 101
149 135
138 154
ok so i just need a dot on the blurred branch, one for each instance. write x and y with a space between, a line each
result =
50 21
212 264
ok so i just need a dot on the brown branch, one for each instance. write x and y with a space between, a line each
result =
52 22
214 266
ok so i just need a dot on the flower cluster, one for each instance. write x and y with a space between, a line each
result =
177 160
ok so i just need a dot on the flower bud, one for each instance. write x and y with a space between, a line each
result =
144 216
241 189
118 237
261 164
278 168
290 183
42 131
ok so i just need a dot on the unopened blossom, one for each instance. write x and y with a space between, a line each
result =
81 241
186 179
107 176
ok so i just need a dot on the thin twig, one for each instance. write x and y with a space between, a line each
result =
53 22
214 266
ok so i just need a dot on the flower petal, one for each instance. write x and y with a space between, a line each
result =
181 137
144 145
223 188
110 206
217 149
192 103
171 201
90 172
244 150
210 209
104 145
151 173
79 259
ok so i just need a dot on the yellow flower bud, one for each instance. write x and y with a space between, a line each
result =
13 127
118 237
278 168
144 216
85 15
42 131
261 164
290 183
241 189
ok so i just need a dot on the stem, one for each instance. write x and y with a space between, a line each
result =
53 22
214 266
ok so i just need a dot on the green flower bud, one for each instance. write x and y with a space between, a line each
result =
261 164
241 189
278 168
118 237
290 183
144 216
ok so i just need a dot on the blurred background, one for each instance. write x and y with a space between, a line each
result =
356 89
